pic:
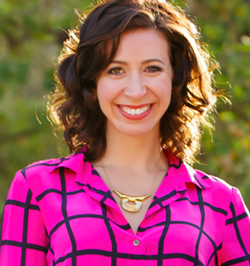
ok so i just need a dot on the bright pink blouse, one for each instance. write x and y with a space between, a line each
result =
60 212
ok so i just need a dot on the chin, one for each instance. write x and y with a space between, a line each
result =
137 132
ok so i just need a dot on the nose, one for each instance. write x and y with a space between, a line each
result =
135 87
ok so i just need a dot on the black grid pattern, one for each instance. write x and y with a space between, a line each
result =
60 212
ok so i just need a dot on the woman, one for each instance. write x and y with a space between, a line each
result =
134 88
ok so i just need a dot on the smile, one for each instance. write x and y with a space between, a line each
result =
135 111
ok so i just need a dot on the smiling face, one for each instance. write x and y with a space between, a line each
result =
134 91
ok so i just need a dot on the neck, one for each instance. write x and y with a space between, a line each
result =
136 151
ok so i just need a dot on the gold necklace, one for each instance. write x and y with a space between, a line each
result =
126 200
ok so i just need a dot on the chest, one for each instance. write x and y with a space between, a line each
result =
93 232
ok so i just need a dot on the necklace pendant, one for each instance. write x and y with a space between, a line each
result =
134 207
131 203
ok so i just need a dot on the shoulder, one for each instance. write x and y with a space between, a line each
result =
219 191
42 175
48 166
44 166
213 182
182 174
204 180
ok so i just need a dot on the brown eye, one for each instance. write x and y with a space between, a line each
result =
115 71
153 69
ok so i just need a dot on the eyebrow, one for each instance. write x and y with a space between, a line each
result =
143 62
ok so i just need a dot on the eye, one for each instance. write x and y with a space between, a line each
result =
116 71
153 69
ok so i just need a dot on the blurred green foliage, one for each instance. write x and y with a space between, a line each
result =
225 26
31 37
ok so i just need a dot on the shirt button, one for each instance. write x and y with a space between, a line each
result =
136 242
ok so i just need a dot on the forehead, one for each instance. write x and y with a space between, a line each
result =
143 42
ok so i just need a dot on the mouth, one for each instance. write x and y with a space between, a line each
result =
135 110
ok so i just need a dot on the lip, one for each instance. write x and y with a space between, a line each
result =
134 106
135 117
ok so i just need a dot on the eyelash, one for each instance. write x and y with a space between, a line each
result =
114 69
119 71
155 69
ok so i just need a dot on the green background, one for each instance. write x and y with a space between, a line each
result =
31 37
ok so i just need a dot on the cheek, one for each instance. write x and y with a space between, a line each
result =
164 89
108 91
105 96
101 91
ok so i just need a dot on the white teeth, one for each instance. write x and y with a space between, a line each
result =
137 111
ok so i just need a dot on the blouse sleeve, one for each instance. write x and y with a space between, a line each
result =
235 249
24 240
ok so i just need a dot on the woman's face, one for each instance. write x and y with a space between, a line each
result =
134 91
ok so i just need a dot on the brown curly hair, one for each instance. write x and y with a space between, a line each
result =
87 53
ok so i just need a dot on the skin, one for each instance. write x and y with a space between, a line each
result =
139 80
139 76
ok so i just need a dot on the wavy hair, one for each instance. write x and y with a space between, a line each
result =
92 46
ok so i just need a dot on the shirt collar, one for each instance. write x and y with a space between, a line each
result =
179 173
74 162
